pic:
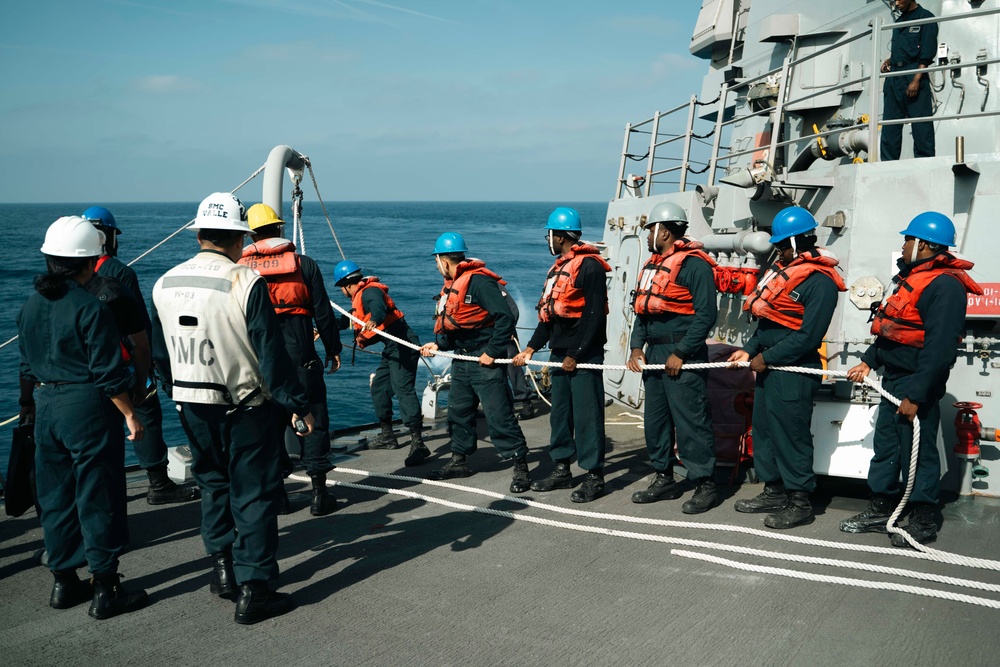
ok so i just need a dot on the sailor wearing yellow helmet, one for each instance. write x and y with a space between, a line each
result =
295 285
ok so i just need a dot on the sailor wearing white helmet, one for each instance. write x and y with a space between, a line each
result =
218 344
69 351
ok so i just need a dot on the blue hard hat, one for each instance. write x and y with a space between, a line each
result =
790 222
932 227
99 215
564 219
345 270
449 242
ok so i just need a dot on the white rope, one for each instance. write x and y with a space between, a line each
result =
927 554
844 581
914 449
678 541
323 206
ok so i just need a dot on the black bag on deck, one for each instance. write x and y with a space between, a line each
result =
20 492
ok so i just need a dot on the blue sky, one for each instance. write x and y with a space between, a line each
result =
131 100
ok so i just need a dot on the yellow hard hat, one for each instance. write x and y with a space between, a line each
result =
261 215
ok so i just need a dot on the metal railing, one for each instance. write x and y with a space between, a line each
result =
716 159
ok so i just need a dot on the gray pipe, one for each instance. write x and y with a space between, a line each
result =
274 173
837 145
741 243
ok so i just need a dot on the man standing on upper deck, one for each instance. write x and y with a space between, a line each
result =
217 341
299 296
572 320
675 306
473 318
151 450
912 48
918 328
793 303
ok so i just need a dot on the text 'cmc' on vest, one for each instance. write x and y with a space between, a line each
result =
897 318
561 297
775 298
455 309
657 292
202 305
366 338
277 261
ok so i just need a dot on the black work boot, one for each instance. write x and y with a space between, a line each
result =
798 511
872 520
223 581
111 599
68 590
527 410
663 487
520 482
453 469
163 490
772 499
559 478
284 504
922 526
418 450
591 489
256 603
323 502
706 496
386 439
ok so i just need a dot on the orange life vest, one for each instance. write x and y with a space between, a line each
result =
455 309
366 338
277 261
898 319
561 297
775 298
658 292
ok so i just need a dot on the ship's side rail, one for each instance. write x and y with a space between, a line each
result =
688 161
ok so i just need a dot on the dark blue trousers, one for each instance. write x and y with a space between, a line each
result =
237 465
577 418
80 475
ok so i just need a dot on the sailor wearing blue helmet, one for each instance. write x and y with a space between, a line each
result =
793 304
918 327
473 318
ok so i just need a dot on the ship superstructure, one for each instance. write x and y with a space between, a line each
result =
790 113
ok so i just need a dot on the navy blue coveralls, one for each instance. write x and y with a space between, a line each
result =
472 382
783 400
911 46
69 346
919 374
151 451
396 374
577 418
679 405
235 453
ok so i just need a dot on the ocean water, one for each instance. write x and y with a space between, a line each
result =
392 240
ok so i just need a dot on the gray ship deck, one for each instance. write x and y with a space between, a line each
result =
391 580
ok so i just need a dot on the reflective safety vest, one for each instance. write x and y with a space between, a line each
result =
202 306
775 298
897 318
658 292
455 309
277 261
366 338
561 297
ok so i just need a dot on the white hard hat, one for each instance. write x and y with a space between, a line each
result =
73 236
222 210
